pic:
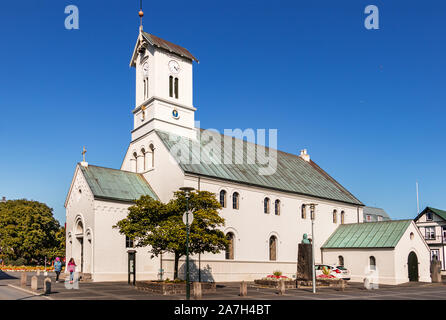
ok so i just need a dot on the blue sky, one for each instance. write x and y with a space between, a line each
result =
369 105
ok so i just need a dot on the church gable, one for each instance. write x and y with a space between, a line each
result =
79 188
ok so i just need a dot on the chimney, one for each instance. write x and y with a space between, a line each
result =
304 155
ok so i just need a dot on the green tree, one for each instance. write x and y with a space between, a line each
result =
160 227
28 231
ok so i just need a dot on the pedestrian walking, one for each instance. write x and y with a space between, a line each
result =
71 269
57 268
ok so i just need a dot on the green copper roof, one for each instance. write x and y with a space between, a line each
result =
115 184
293 174
385 234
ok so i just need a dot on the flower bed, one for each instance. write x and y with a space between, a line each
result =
326 276
274 277
168 288
26 268
274 282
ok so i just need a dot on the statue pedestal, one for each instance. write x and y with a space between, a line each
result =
304 257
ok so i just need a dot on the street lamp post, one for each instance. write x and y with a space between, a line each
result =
187 191
313 216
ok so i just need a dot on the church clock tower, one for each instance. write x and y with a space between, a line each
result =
164 88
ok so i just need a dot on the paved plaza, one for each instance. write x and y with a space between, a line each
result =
10 284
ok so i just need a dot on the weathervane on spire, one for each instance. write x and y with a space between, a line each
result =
141 14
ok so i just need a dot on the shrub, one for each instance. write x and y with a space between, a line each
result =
18 262
277 273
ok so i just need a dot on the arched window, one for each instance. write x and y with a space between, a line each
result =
304 211
273 248
342 217
341 261
335 216
372 263
235 201
277 207
176 87
170 86
144 155
146 88
152 148
230 248
135 162
266 205
223 198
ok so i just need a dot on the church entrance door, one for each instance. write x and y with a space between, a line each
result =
412 263
81 246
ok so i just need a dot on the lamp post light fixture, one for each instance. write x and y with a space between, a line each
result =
313 216
187 191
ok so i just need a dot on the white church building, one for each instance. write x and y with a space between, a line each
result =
266 212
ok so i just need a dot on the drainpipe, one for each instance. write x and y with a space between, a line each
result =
357 214
442 245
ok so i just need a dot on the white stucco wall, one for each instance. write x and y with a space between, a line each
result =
392 263
111 258
79 209
421 249
357 260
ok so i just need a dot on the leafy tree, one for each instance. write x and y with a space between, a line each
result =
160 227
28 231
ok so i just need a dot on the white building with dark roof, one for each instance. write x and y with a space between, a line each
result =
264 192
372 214
432 225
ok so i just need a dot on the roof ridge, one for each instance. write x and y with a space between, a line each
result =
96 166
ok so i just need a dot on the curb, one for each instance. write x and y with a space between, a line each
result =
29 291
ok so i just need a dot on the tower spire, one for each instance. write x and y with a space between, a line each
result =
141 14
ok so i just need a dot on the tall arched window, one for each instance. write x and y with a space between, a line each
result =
304 211
135 162
273 248
335 216
152 148
144 155
170 86
266 205
223 198
235 201
341 261
146 88
230 248
372 262
176 87
342 217
277 207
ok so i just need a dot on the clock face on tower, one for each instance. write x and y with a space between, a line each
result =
174 66
145 69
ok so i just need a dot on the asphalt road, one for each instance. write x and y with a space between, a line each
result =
9 293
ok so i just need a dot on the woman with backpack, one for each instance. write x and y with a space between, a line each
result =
57 268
